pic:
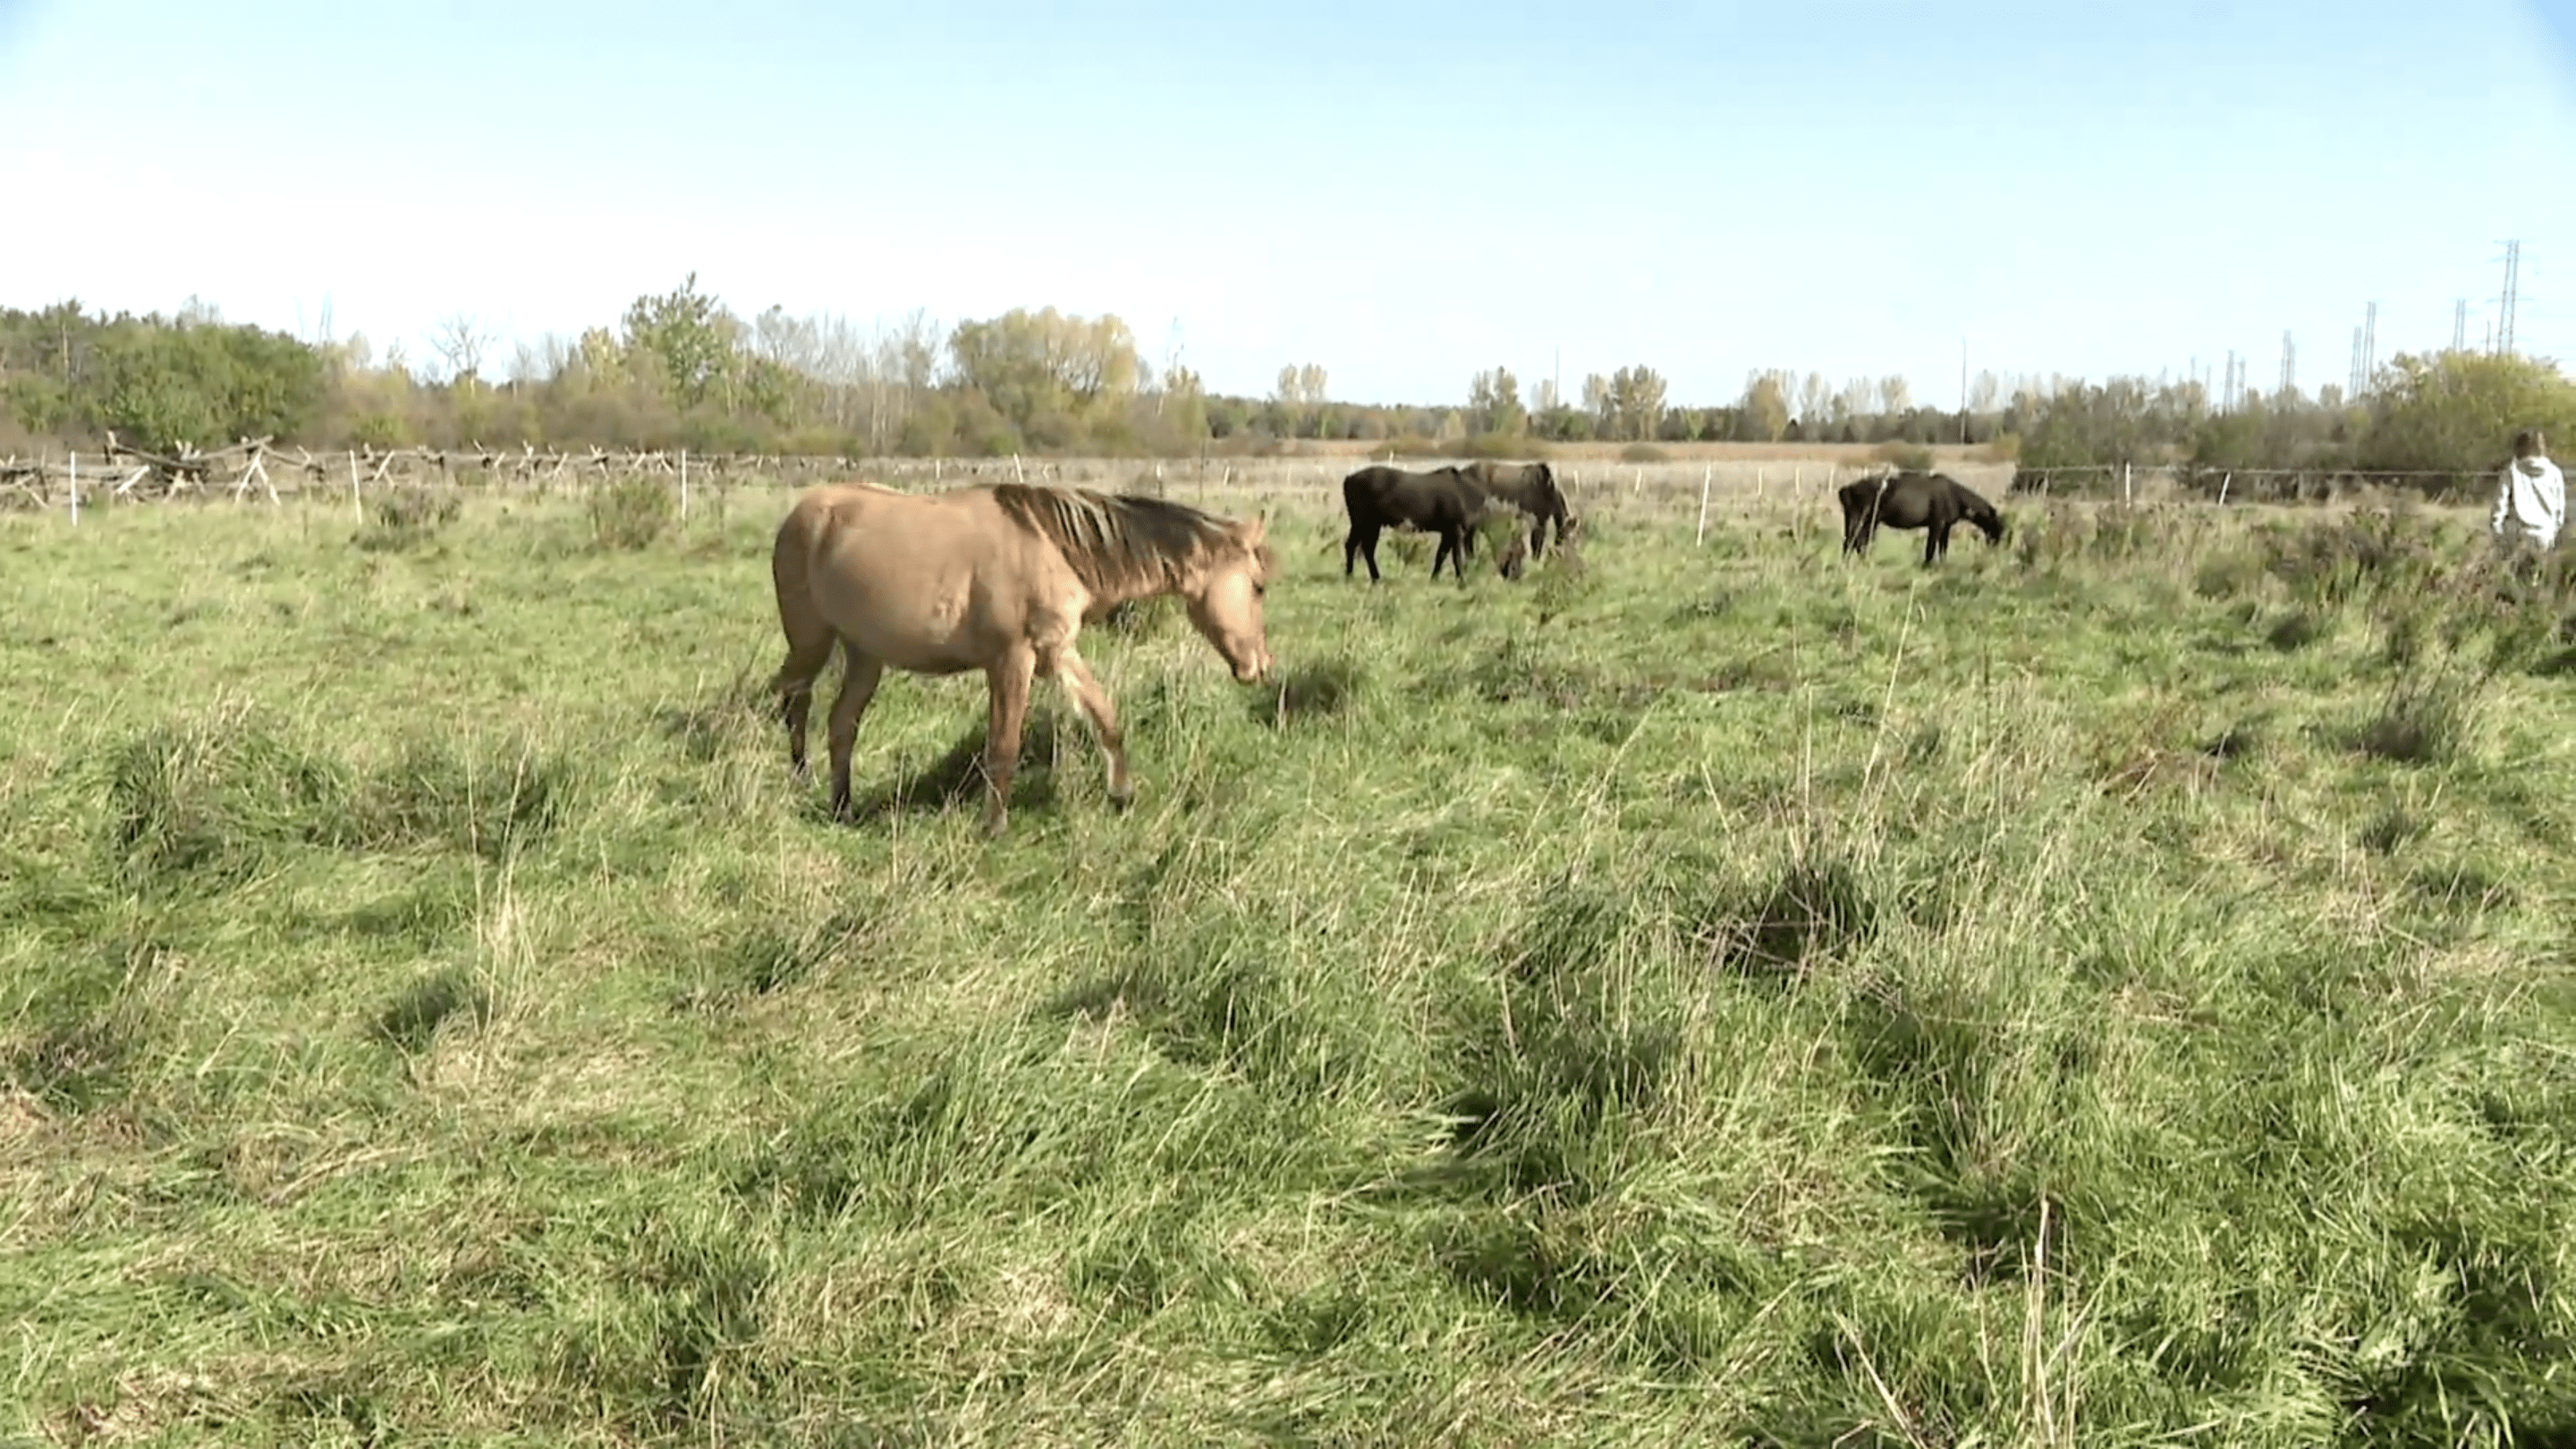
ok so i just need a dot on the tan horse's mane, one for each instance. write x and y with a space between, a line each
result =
1121 545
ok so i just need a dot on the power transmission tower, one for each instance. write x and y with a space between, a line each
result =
2512 276
2369 343
2354 390
2460 325
2289 365
1963 391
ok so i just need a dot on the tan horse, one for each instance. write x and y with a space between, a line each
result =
997 578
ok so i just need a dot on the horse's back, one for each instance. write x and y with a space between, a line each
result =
1384 489
928 582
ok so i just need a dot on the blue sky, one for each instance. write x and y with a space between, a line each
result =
1404 193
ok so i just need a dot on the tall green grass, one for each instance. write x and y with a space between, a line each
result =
2109 989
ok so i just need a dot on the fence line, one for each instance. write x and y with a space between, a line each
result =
258 468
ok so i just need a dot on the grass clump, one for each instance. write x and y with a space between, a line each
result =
208 802
2425 718
76 1035
490 799
204 800
411 1021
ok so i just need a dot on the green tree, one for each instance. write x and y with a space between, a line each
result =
1599 406
1181 404
1048 374
1765 407
1494 401
2457 412
688 339
205 384
2120 421
1297 399
1636 402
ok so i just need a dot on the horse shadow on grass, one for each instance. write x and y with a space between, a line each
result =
1051 740
1309 692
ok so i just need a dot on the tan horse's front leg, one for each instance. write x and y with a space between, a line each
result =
1069 669
1008 679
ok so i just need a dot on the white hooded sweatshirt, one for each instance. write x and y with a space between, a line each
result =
2534 495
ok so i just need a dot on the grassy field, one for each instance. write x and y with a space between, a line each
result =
2113 989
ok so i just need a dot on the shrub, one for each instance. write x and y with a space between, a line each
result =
2330 561
1911 457
408 516
630 513
1502 446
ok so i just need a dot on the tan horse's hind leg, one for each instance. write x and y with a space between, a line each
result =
858 686
809 637
794 686
1008 679
1075 675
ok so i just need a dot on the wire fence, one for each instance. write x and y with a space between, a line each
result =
256 470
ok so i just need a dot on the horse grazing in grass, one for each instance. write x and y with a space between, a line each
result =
998 578
1933 502
1444 501
1531 488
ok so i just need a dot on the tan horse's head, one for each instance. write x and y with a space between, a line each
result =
1225 599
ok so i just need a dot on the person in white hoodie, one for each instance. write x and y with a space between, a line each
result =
2531 499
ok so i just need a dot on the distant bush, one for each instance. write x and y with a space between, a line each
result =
1502 446
630 513
1911 457
1643 453
408 517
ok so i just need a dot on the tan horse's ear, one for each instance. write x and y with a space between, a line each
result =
1252 531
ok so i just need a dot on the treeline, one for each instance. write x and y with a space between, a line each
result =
681 369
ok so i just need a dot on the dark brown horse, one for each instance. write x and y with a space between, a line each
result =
1444 501
1531 488
1933 502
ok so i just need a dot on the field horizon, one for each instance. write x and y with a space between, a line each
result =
2111 988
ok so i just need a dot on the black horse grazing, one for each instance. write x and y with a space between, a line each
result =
1531 488
1933 502
1444 501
